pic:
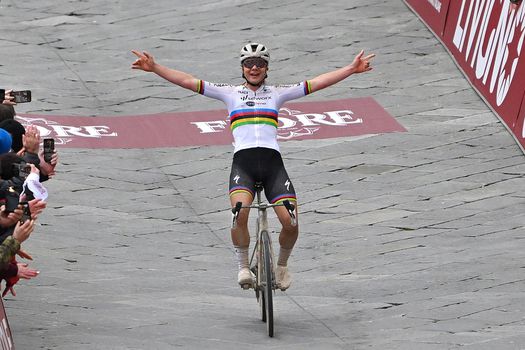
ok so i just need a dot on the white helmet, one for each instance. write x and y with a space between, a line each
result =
255 50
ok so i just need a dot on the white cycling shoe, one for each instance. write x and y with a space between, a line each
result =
245 278
282 277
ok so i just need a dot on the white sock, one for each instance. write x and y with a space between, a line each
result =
284 254
242 256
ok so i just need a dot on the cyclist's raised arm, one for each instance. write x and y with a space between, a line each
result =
360 64
146 62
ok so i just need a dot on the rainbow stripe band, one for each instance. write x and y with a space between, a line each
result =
239 189
307 87
200 87
253 116
282 198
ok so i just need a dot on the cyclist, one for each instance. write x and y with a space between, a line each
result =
253 109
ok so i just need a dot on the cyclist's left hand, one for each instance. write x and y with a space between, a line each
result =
145 61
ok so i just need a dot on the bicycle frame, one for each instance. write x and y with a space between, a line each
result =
263 252
261 229
262 219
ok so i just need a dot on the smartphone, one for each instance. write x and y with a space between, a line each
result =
21 170
2 94
11 200
49 149
22 96
26 214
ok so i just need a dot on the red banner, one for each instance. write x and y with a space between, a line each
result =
519 128
297 121
434 13
486 39
6 340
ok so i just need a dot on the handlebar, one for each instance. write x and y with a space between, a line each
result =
286 203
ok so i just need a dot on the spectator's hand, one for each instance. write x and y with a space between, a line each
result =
8 99
22 150
362 64
31 139
145 61
24 255
48 168
9 288
10 219
23 231
54 159
25 272
36 206
34 169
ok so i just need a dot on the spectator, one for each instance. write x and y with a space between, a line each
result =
6 112
5 141
16 130
11 245
25 142
8 99
31 154
12 233
18 184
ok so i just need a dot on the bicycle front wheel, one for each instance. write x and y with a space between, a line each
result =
267 281
259 280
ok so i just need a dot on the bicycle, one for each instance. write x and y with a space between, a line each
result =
262 258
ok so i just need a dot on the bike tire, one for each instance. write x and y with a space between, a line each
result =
259 278
262 303
267 282
259 295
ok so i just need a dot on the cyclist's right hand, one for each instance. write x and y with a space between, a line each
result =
145 61
235 213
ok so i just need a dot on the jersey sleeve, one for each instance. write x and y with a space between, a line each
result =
217 91
292 92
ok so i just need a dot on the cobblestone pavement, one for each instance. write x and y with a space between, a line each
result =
409 240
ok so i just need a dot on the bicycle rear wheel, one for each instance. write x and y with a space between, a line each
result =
267 282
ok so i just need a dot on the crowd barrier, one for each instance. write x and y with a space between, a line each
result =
6 340
486 39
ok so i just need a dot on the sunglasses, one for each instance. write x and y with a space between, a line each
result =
250 62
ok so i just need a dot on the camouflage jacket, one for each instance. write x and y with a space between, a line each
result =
8 249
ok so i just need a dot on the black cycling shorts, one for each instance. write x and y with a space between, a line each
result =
263 165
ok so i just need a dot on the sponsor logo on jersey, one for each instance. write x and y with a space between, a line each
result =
287 85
